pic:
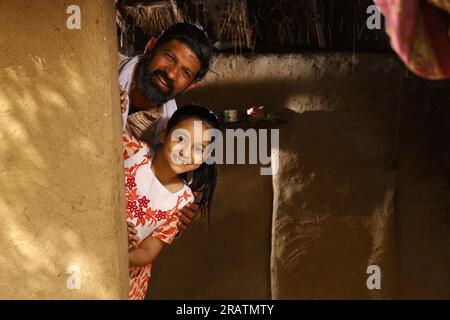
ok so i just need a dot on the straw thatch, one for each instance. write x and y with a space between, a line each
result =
227 21
260 24
154 17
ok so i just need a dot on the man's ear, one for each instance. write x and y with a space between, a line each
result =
192 85
149 46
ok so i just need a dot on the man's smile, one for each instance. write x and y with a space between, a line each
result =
162 84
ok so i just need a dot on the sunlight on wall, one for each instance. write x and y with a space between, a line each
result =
61 173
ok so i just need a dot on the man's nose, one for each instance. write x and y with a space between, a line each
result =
170 72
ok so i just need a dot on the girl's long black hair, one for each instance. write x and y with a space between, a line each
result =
204 178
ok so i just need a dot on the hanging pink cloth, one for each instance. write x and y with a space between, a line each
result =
420 35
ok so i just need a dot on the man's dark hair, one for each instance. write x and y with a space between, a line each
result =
195 38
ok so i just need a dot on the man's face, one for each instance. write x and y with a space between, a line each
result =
167 72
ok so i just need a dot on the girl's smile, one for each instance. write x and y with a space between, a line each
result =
181 148
179 161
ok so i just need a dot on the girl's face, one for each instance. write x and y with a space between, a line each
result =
184 146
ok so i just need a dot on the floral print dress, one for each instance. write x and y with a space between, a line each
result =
150 206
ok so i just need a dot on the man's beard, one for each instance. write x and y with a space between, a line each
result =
151 92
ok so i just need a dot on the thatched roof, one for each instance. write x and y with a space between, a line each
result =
261 25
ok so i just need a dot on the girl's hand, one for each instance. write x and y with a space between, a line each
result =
133 239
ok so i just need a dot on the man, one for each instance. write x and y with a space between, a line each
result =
171 65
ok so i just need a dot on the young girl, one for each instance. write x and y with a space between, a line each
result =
157 186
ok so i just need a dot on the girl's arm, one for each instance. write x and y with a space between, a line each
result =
153 244
146 252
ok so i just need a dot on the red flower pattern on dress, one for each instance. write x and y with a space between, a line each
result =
185 196
143 202
132 206
131 195
131 145
149 215
140 215
143 212
160 215
130 183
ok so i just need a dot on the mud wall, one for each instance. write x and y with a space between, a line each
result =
61 171
363 181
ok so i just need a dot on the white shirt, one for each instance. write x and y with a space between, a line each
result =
126 72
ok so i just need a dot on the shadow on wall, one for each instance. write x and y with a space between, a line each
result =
35 176
336 205
325 201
